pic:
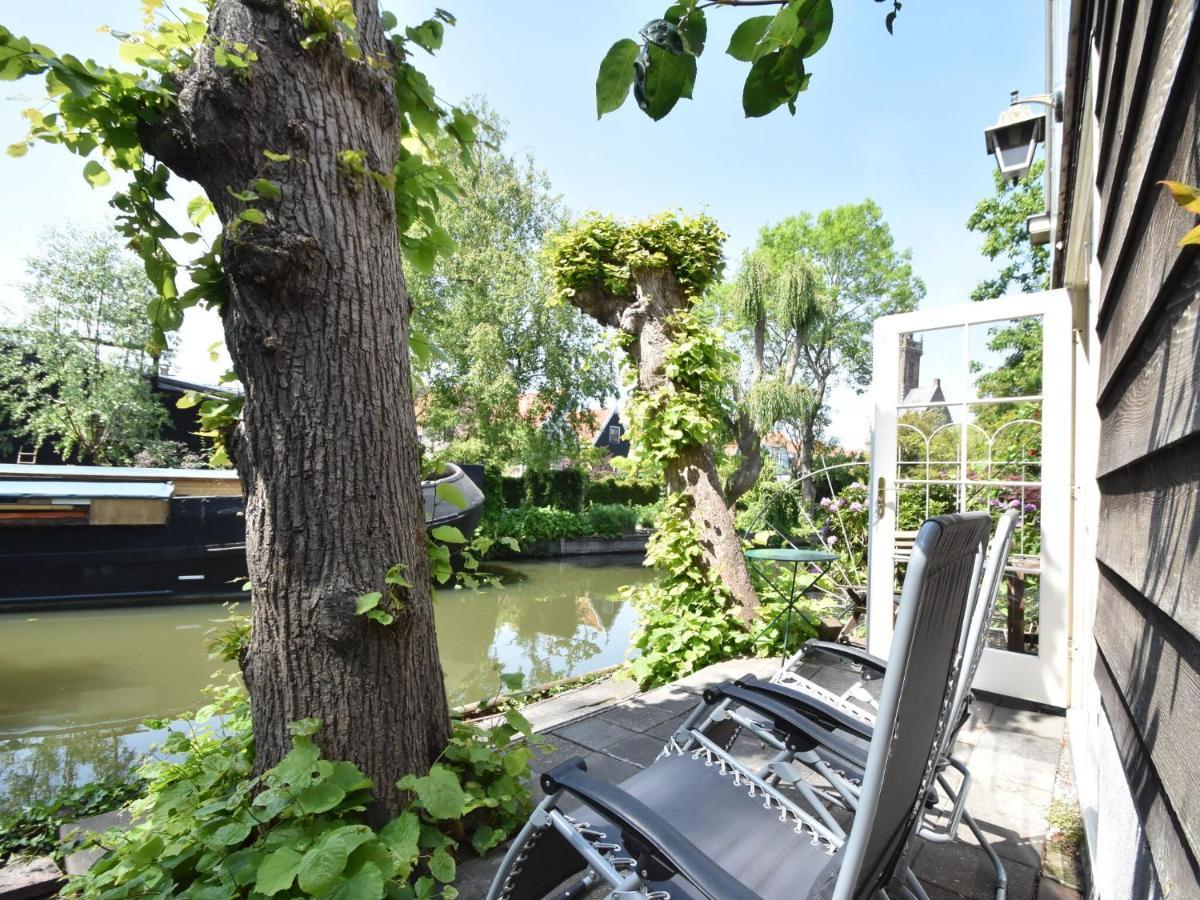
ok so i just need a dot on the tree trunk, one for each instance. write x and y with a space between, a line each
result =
317 327
694 471
749 446
807 488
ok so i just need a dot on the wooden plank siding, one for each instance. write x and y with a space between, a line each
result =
1156 666
1141 222
1147 618
1175 867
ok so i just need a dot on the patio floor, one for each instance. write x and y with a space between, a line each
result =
1014 756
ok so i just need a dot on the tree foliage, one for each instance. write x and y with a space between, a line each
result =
806 299
75 373
661 65
1001 220
512 371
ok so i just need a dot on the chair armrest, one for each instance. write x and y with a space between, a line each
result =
852 654
811 707
638 822
802 732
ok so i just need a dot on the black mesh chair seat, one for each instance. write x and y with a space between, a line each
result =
751 840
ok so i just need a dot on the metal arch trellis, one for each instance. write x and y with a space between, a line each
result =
791 487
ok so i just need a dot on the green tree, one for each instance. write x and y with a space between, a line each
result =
1024 268
806 298
513 371
1001 220
74 374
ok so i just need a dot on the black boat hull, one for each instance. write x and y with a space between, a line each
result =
199 554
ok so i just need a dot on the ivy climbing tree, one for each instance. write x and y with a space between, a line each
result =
303 122
643 279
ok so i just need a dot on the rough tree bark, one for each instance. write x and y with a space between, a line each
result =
317 327
643 316
749 445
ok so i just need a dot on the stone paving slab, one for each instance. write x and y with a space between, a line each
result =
30 879
1013 756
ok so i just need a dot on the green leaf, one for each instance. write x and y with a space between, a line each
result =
381 616
485 838
305 728
199 208
254 216
439 792
19 149
321 865
816 18
96 174
267 188
402 835
781 32
668 77
615 76
387 20
395 575
228 834
448 534
452 494
276 157
774 79
745 38
367 602
694 27
320 797
1192 237
441 866
277 871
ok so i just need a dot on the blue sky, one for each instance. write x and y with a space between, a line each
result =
897 118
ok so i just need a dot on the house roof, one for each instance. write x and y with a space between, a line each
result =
926 393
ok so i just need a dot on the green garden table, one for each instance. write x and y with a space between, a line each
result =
821 560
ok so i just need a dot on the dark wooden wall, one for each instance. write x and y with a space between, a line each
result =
1148 609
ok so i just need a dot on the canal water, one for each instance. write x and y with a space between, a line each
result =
75 686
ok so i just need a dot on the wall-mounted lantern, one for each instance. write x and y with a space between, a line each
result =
1014 138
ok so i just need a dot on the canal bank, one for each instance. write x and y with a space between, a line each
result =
77 685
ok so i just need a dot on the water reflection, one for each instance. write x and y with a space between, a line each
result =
75 686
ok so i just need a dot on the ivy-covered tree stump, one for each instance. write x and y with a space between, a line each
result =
643 279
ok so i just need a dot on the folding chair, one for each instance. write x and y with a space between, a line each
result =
699 824
850 716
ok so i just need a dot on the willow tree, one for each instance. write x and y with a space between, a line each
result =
643 280
301 123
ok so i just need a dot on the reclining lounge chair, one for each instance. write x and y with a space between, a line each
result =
700 825
850 717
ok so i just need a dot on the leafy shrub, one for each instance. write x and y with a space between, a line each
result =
618 490
648 513
513 490
609 520
33 830
560 488
538 524
207 827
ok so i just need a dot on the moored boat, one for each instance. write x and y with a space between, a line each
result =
73 536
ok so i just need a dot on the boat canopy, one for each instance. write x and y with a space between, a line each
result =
86 490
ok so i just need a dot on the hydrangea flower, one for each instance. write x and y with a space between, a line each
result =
1030 507
825 502
831 540
856 507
